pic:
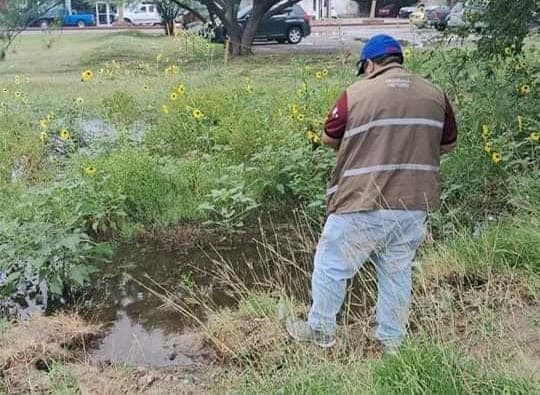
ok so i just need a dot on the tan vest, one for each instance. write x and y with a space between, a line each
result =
390 154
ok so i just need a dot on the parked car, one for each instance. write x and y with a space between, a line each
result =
405 12
142 14
80 19
462 15
388 11
391 9
290 25
436 16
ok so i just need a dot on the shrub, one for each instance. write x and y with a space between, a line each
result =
36 252
498 125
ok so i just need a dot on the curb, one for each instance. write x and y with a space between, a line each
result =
362 22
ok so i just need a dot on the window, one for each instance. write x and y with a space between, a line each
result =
151 8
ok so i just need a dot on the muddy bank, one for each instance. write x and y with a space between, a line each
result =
54 354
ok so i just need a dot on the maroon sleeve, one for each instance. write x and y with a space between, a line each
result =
449 135
336 122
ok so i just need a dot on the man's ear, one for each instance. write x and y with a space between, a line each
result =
369 66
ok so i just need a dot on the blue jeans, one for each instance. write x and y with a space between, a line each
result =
390 239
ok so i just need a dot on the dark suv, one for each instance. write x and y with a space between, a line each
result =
290 25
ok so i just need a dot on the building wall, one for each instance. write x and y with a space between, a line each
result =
322 8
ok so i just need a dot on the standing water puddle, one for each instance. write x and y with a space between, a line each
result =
142 329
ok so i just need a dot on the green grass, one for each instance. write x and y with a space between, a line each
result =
62 381
427 369
507 243
419 368
3 325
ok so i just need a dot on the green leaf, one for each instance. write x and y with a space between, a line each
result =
79 274
55 286
13 277
70 242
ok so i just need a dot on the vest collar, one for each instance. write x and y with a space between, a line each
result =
384 69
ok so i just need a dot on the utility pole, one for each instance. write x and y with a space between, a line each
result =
373 7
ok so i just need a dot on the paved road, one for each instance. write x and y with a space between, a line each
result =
348 38
323 40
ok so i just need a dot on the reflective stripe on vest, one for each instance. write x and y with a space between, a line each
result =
380 168
393 122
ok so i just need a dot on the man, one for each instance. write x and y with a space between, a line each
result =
389 130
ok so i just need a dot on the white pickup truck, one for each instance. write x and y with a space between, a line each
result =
142 14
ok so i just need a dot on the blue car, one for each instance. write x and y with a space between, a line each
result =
79 20
64 19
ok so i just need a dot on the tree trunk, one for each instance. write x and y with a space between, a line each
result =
373 8
248 35
169 26
234 35
120 8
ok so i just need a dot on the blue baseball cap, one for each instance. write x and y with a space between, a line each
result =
376 47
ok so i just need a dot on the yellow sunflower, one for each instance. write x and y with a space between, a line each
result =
173 96
525 89
496 157
64 134
79 101
487 147
90 170
485 131
197 114
300 117
181 90
313 137
43 137
164 108
318 75
18 94
44 123
324 72
407 53
87 75
534 136
146 87
5 90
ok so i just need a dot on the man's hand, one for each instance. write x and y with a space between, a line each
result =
330 141
447 148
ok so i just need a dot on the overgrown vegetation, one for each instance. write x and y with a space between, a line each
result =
122 141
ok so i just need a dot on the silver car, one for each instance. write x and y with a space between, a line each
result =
462 15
